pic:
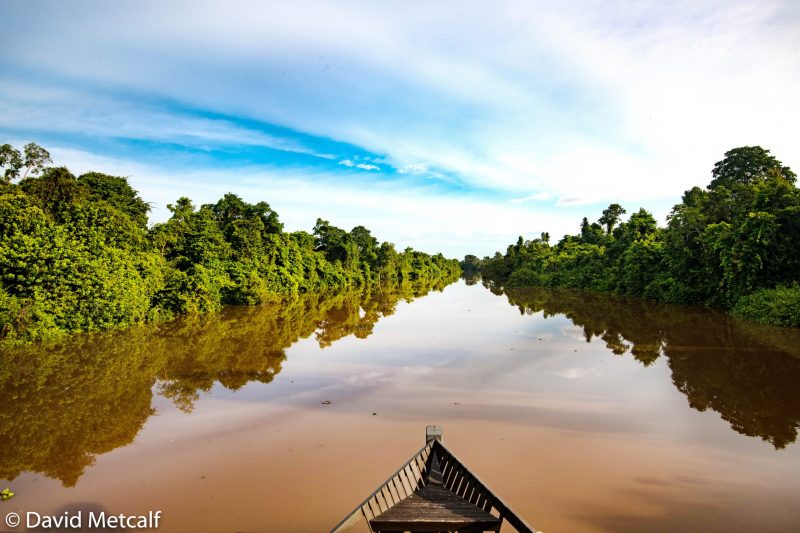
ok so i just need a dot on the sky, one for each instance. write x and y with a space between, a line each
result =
450 126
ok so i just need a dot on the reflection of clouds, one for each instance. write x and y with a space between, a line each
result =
368 379
417 370
577 373
573 332
534 335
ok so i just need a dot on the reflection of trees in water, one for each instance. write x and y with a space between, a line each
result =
471 278
66 402
746 372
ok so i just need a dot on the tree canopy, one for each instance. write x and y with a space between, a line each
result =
76 254
734 244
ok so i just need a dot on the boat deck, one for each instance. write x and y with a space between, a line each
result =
435 508
433 492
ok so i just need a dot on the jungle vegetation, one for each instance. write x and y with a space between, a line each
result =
734 244
77 254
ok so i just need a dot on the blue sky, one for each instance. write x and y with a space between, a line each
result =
446 126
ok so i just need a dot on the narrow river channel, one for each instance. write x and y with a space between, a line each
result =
584 412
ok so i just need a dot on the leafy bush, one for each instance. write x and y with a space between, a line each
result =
779 306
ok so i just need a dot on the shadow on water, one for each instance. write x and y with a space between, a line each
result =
67 402
746 372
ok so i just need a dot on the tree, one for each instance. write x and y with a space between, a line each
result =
611 216
116 192
57 190
10 161
35 160
746 165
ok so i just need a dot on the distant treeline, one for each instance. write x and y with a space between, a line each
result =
734 244
76 254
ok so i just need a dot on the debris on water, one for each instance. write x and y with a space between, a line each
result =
374 414
327 402
456 403
6 494
202 477
540 338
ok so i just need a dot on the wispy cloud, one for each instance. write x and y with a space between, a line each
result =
362 166
576 373
419 168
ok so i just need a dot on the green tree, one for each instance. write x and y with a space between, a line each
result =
118 193
746 165
34 161
611 216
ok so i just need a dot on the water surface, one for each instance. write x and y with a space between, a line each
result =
584 412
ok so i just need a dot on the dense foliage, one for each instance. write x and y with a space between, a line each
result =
76 254
735 244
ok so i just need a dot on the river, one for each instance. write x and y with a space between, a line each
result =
583 412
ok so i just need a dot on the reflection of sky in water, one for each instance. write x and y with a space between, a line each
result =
460 354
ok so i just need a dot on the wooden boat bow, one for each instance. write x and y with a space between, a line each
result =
433 491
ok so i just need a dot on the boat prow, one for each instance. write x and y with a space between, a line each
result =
433 491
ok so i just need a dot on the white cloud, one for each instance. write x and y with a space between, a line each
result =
362 166
576 373
68 111
419 168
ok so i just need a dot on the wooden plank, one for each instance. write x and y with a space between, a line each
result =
373 505
477 494
412 477
469 486
381 502
462 487
424 457
387 495
457 478
401 485
347 523
451 471
489 505
437 505
470 502
445 516
416 470
409 488
505 511
356 513
367 512
395 493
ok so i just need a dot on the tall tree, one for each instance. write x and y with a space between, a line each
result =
34 161
611 216
746 165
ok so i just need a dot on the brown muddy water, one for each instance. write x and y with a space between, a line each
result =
584 413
